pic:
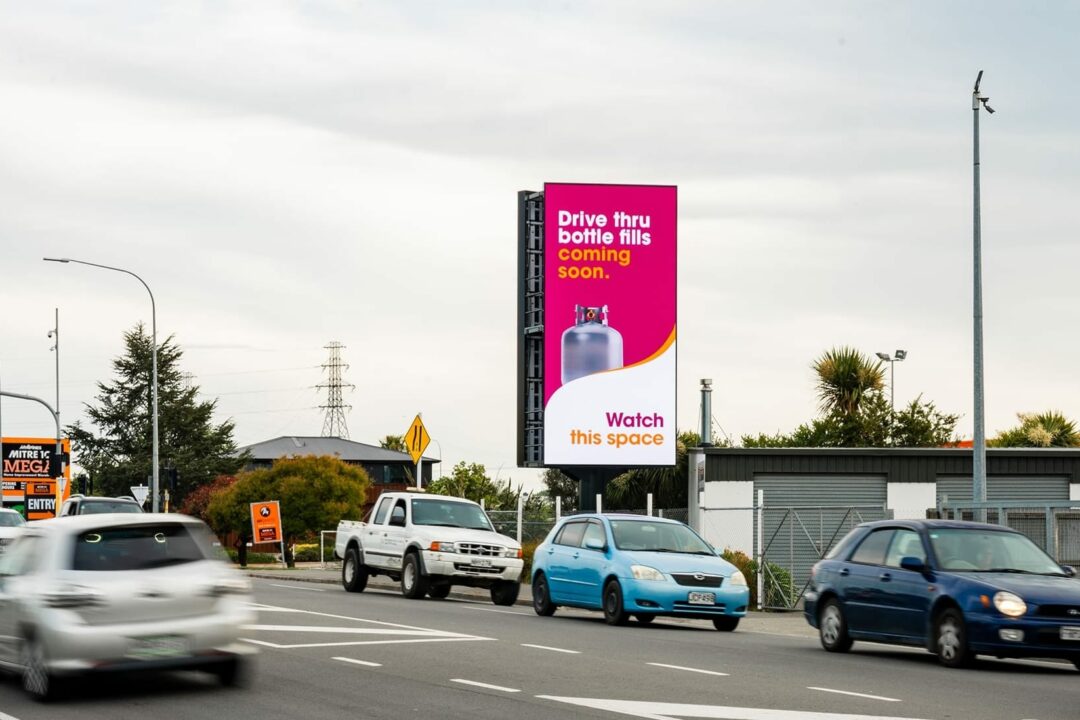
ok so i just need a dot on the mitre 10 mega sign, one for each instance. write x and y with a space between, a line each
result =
30 471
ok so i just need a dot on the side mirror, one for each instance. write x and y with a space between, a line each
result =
913 564
594 544
1069 570
397 518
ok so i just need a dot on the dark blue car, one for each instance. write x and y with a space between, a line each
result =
956 588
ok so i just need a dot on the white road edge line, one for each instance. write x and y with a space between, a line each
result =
854 694
295 587
485 685
365 663
689 669
504 612
552 649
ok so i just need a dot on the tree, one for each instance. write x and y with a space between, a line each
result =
198 500
468 481
394 442
668 485
1045 429
844 377
314 492
559 484
856 412
117 452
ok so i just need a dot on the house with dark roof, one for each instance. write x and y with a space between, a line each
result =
389 470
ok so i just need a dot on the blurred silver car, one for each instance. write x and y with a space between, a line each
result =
11 524
118 593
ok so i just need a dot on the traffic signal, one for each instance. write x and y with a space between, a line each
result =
173 475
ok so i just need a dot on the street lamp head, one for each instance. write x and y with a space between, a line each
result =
884 356
901 354
63 260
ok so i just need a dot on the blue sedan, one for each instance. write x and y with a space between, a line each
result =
956 588
634 565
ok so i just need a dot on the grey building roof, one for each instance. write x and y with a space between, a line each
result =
348 450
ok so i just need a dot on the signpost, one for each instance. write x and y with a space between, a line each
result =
266 525
417 440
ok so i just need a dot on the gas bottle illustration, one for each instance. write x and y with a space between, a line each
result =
590 345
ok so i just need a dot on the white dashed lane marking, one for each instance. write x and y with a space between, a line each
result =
854 694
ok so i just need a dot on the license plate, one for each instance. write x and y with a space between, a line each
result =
700 598
1070 633
481 562
157 647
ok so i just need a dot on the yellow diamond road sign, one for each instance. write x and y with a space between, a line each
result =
417 439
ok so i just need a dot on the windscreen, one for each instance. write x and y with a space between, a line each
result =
97 507
447 513
138 547
977 550
658 537
11 519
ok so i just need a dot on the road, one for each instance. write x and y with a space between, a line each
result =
329 654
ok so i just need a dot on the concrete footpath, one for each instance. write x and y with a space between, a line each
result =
779 623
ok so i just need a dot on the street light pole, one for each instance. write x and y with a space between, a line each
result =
978 480
55 334
154 379
892 360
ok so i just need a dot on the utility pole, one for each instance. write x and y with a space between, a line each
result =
334 421
978 480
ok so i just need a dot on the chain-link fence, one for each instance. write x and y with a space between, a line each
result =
535 529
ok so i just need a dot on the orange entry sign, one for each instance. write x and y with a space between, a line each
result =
266 522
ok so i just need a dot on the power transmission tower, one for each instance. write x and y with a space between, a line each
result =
334 422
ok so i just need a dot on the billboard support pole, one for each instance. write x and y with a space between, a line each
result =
59 442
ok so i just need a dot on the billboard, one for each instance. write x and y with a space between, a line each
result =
609 324
28 464
266 522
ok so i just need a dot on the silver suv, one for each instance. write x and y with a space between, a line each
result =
95 505
120 592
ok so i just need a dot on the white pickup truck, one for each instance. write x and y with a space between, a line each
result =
429 543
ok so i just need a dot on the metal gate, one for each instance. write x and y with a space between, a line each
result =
791 539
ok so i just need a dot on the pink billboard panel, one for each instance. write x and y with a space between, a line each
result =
609 324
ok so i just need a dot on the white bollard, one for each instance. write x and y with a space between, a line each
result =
648 504
599 504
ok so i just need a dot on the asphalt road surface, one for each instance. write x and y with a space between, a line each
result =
325 653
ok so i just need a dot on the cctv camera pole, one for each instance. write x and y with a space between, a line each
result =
979 445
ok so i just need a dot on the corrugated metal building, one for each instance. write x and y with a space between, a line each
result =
812 496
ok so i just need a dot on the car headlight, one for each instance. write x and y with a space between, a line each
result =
1009 604
644 572
447 547
512 552
737 578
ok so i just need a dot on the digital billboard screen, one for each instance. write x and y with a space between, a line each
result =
609 324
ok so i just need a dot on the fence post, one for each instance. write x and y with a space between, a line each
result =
558 508
648 504
482 505
520 507
1051 533
599 504
322 558
660 513
761 549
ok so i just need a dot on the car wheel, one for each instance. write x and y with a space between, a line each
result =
725 623
439 592
413 582
36 679
233 673
542 596
644 619
354 575
951 636
832 627
505 592
614 612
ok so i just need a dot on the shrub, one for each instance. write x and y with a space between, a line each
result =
254 558
309 552
778 585
528 549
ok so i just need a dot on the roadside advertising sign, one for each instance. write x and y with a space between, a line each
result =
26 460
40 499
609 324
266 522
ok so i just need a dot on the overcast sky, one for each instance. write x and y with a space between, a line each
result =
286 174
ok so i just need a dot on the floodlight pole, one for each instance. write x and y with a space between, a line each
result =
978 480
154 379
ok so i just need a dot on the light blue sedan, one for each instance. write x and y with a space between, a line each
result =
636 565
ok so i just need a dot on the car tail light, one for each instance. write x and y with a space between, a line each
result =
71 596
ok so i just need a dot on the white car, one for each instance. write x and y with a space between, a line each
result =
11 525
118 593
